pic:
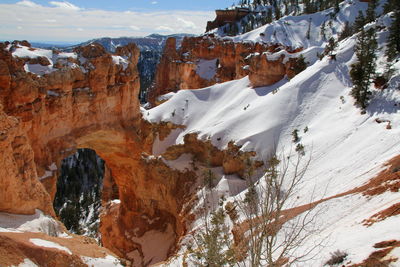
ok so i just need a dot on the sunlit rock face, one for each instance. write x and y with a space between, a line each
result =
206 60
87 99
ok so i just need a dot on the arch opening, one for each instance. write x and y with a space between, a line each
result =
80 192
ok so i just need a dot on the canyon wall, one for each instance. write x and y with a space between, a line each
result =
206 60
54 103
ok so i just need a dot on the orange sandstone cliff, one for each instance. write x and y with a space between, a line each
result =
86 99
206 60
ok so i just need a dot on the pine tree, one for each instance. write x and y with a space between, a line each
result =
308 35
370 15
391 5
269 15
330 47
346 32
323 31
337 8
359 22
362 71
393 46
277 11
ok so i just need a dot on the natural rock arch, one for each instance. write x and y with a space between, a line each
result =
45 118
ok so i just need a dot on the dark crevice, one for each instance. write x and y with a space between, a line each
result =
79 192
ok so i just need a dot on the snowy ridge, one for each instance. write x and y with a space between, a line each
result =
292 31
347 148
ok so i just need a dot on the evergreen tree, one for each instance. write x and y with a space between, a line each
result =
393 46
362 71
337 8
309 7
308 35
330 47
323 31
391 5
346 32
269 15
370 15
359 22
277 10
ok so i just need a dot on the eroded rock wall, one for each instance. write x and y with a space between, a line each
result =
86 100
206 60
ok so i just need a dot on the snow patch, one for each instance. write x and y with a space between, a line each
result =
26 263
207 69
37 223
118 60
48 244
102 262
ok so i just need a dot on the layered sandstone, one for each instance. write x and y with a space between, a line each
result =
232 159
182 68
85 99
88 99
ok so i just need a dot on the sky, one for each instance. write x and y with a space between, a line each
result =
76 21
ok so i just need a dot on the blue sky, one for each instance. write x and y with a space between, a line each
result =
146 5
76 21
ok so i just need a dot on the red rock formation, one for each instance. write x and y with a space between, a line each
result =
231 159
227 16
264 72
178 68
87 102
20 190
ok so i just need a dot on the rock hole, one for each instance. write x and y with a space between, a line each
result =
83 185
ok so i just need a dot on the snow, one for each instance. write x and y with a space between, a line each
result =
101 262
207 69
37 223
165 97
292 31
49 244
118 60
53 57
27 52
151 246
53 167
52 93
38 69
346 148
26 263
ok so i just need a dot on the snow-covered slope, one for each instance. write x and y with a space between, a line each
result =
347 148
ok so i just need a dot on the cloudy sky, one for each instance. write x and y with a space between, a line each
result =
76 21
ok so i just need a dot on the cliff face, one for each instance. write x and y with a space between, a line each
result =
54 103
204 61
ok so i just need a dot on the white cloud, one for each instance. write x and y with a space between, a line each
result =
187 23
27 3
154 3
19 27
164 29
80 30
64 5
52 23
135 28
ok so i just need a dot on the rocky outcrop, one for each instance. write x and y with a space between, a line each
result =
20 190
264 71
232 159
87 99
227 16
206 60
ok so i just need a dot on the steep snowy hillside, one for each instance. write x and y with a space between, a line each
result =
347 148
